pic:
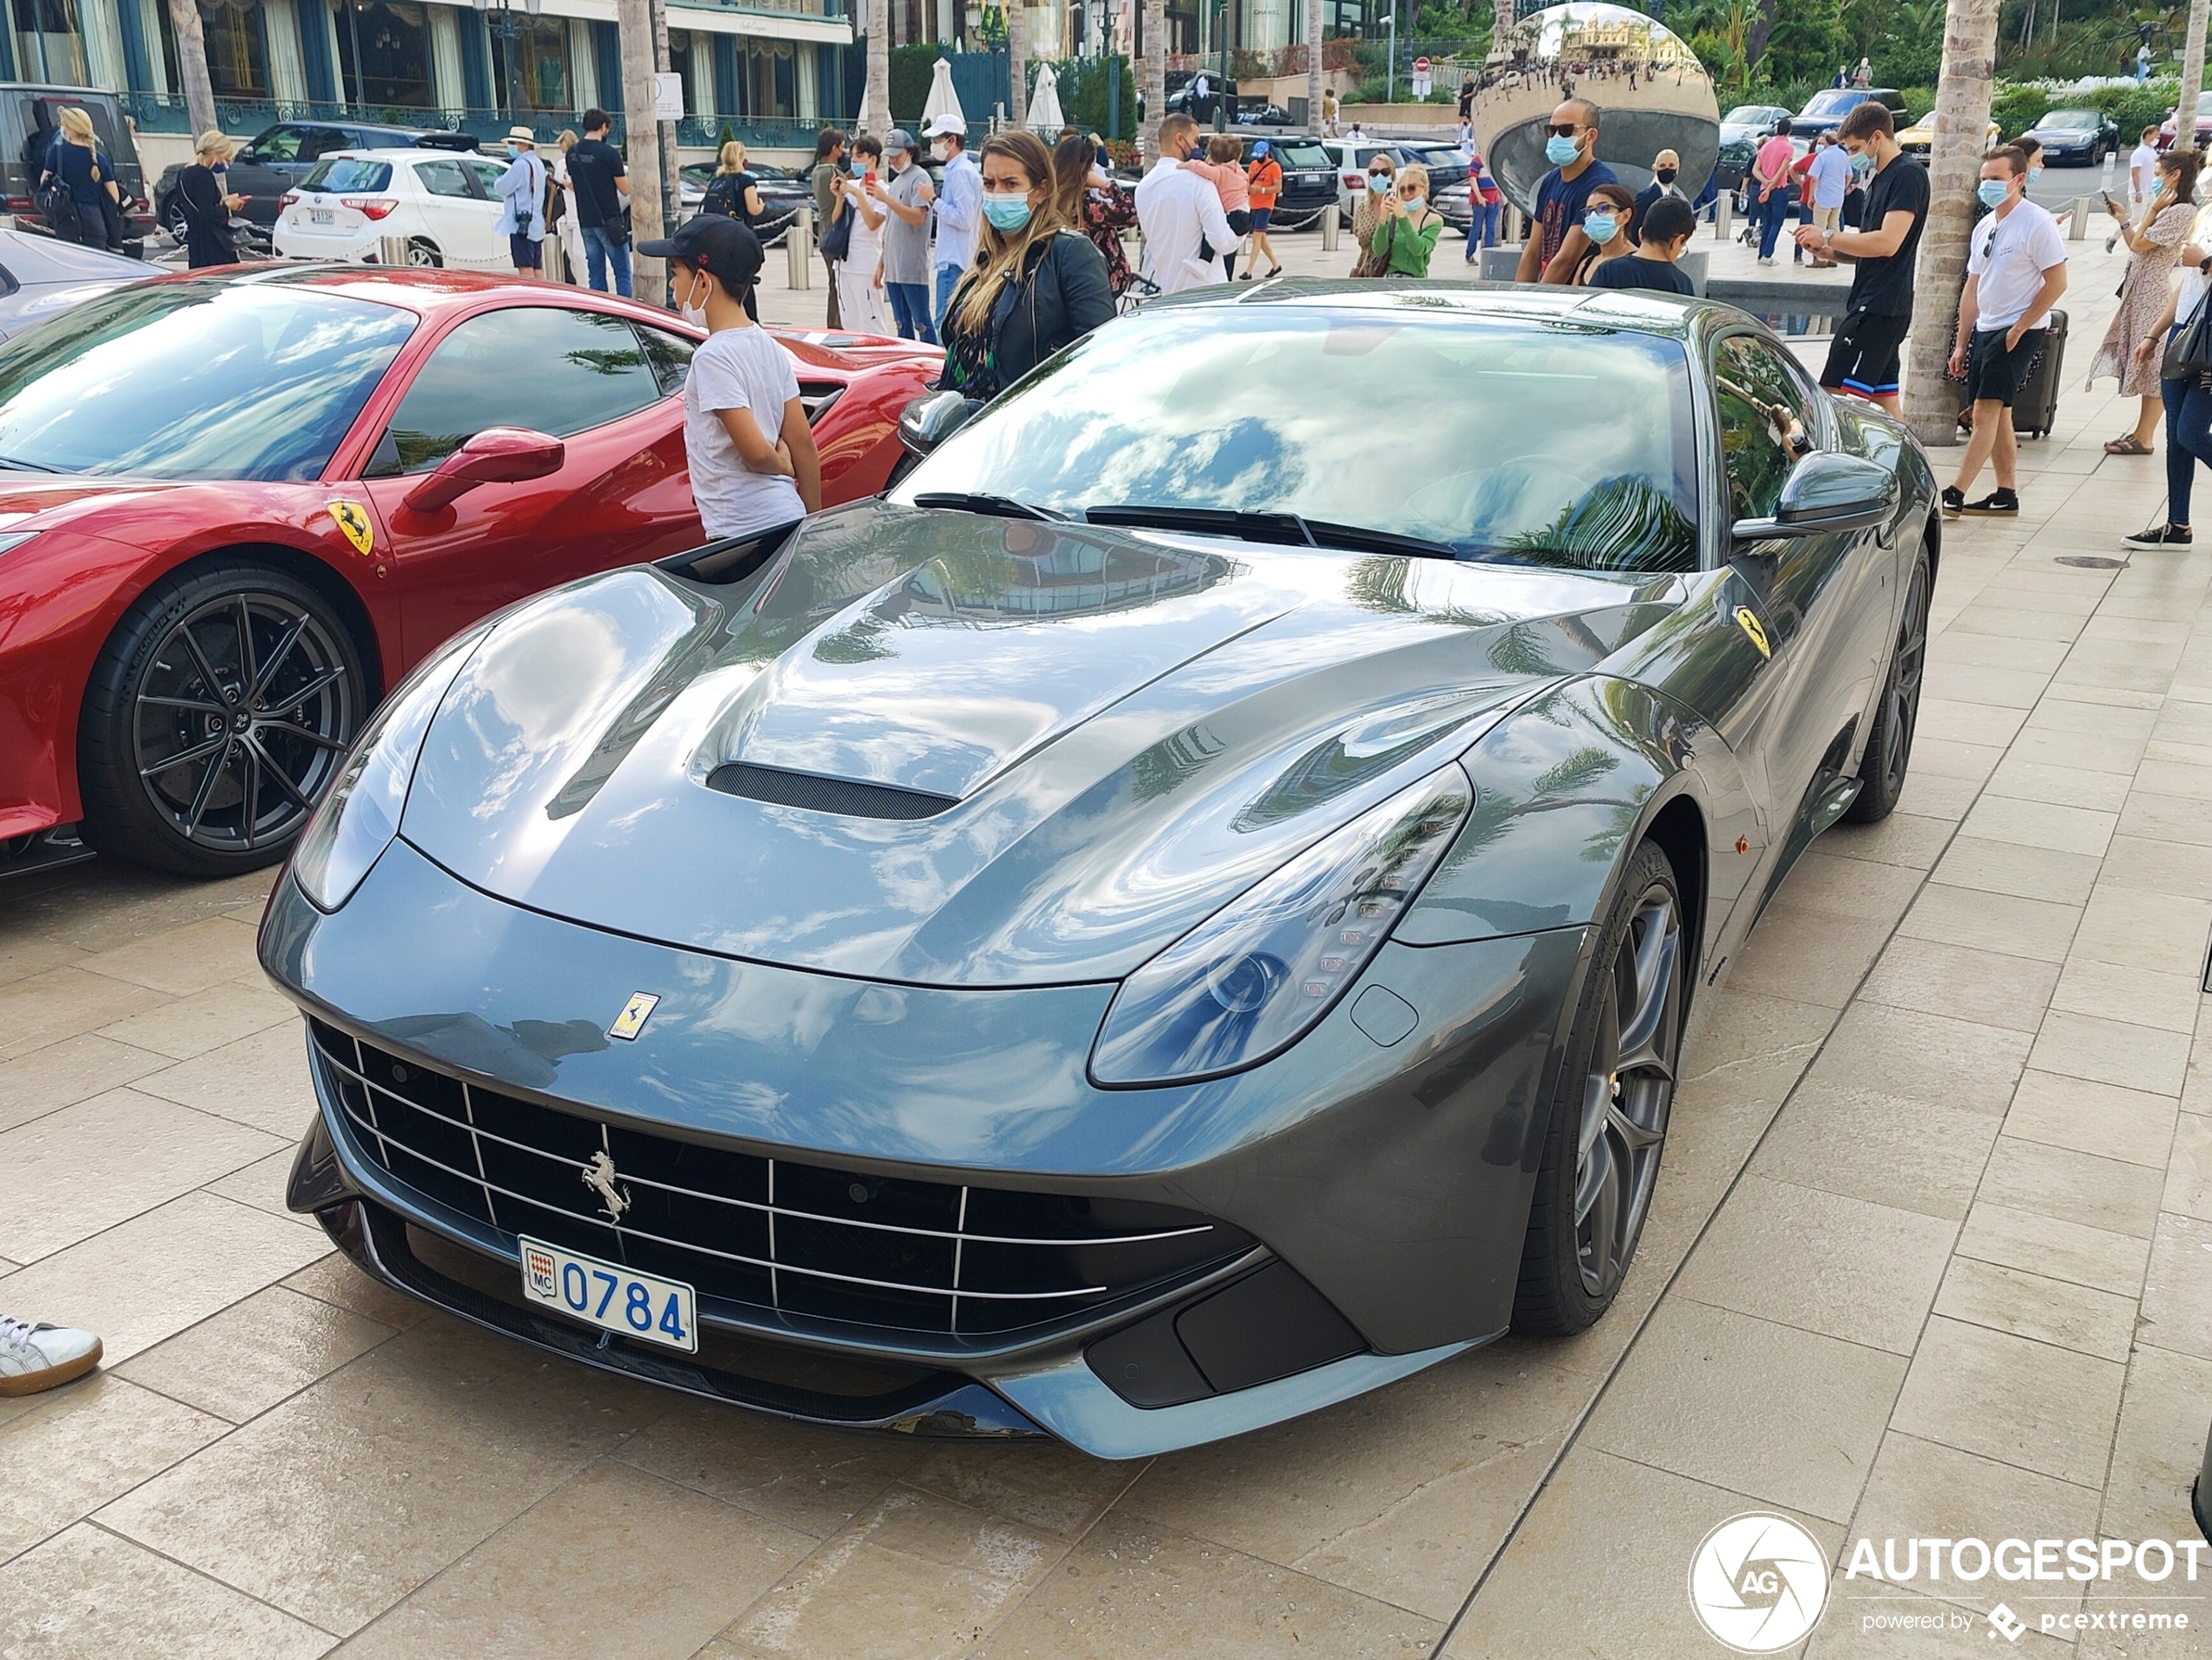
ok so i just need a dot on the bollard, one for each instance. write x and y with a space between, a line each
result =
1723 210
798 247
2081 226
391 250
1332 224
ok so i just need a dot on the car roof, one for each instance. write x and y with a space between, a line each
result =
399 152
1630 311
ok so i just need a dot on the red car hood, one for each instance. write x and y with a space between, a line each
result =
44 503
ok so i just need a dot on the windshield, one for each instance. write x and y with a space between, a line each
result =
211 379
1747 115
1295 156
346 173
1836 100
2073 120
1564 445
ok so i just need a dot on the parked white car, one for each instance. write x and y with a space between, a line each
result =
444 204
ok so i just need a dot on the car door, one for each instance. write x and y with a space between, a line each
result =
454 212
621 495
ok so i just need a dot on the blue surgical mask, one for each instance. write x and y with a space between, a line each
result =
1559 151
2035 173
1992 192
1006 212
1863 166
1378 183
1599 227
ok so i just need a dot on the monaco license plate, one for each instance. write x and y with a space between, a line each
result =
321 216
610 1296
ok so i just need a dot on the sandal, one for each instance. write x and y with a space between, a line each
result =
2129 445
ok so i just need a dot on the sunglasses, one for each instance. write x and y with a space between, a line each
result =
1562 130
1379 175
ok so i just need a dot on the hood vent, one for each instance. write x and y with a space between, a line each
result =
819 794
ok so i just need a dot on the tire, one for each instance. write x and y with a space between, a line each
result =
1888 755
422 253
218 713
1609 1115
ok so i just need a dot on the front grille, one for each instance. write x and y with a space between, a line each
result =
796 1238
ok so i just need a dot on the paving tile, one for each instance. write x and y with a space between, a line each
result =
1868 1619
2105 727
43 1009
1860 1272
2162 932
2098 751
1879 1147
2034 1404
1967 722
2112 1051
2009 868
1998 652
63 1073
342 1500
2133 666
2000 922
1947 757
2002 688
260 1080
238 1364
332 1278
1919 1056
2012 623
647 1568
2177 1288
1902 838
146 1152
1577 1583
912 1575
2174 779
1743 1047
24 952
81 1446
2099 1118
1840 887
86 1595
262 1185
2138 996
2166 818
154 1275
1055 1489
205 1021
1807 955
2189 1172
2041 823
2159 1448
2160 866
1986 987
182 959
2102 1194
2102 1323
800 1475
1933 795
2022 779
1770 1411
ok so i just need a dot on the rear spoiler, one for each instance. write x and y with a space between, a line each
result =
444 141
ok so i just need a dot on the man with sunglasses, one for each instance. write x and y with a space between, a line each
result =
1570 144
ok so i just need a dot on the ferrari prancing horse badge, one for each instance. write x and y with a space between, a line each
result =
1748 620
352 519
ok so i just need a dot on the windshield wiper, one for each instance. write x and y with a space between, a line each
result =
22 466
1286 528
1004 507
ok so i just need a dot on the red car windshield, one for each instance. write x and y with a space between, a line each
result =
209 379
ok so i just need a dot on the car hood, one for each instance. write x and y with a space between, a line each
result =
48 501
928 747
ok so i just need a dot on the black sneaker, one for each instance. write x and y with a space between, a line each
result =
1995 502
2162 535
1954 500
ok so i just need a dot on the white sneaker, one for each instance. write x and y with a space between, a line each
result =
33 1358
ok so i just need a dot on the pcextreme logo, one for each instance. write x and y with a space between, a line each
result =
1758 1583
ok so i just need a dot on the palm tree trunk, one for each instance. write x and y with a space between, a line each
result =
1955 166
1156 75
1508 14
1313 62
877 93
2192 80
1017 75
192 66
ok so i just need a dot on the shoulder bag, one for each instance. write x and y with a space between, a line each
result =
2189 351
837 240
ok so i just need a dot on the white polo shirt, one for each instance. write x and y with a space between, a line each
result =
2010 256
2142 172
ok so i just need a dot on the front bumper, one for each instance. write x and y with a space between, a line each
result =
1392 1181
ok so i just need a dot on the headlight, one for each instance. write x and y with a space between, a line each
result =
360 815
1248 983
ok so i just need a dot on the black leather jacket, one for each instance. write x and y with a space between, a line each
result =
1062 298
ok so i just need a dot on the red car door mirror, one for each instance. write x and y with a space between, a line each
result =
496 455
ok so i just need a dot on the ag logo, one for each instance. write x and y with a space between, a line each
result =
1758 1583
352 519
1748 620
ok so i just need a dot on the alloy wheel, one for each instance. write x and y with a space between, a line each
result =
1903 711
241 720
1628 1092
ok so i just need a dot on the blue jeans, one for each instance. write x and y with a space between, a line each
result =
600 251
948 279
910 311
1772 211
1482 227
2188 440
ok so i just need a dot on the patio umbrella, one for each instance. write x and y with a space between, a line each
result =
942 99
865 119
1044 102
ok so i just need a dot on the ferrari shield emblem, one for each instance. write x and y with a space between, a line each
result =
1748 620
352 519
631 1021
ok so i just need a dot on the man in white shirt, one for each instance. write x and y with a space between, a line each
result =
2142 171
1185 230
2015 273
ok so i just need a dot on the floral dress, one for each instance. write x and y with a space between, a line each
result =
2142 297
1107 213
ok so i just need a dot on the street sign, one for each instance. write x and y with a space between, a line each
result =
1420 78
668 96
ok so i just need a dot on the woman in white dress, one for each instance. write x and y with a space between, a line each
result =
571 228
860 298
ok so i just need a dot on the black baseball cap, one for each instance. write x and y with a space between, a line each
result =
712 243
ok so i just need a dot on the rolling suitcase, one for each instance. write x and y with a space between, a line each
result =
2037 406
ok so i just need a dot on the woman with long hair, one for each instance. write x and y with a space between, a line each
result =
76 159
1086 197
1369 212
566 226
1407 236
1609 209
2144 292
1037 285
732 192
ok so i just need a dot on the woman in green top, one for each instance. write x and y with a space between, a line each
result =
1407 235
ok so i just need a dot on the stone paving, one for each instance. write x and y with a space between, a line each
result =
1925 1260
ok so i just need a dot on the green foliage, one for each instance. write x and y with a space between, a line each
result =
2133 107
2015 109
911 69
1807 43
1082 94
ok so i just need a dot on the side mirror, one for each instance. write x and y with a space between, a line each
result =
496 455
1826 492
934 417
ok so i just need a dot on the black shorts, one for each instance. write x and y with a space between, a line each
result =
1240 221
524 254
1994 374
1865 357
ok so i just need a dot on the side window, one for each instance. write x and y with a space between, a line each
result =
280 143
444 178
320 142
546 367
671 356
489 174
1749 379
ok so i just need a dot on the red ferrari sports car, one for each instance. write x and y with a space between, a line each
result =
234 509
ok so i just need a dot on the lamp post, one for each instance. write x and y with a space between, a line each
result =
499 19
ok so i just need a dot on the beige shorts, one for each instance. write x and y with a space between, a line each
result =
1828 219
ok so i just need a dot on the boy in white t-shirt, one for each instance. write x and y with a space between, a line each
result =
754 463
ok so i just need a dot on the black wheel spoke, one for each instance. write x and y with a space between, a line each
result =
282 779
314 688
182 755
276 660
247 677
304 735
249 804
208 676
195 705
207 787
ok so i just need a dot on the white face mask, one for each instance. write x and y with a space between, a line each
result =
694 314
941 150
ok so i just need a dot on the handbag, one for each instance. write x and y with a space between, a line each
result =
2189 351
837 241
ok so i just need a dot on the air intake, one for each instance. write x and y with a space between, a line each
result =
818 794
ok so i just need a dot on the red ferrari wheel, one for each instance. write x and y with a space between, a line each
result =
216 718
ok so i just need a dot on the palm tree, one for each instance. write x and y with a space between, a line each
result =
1961 120
1313 61
1508 14
1156 75
191 64
2192 80
1017 59
877 94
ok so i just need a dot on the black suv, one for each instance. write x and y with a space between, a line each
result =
30 117
280 157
